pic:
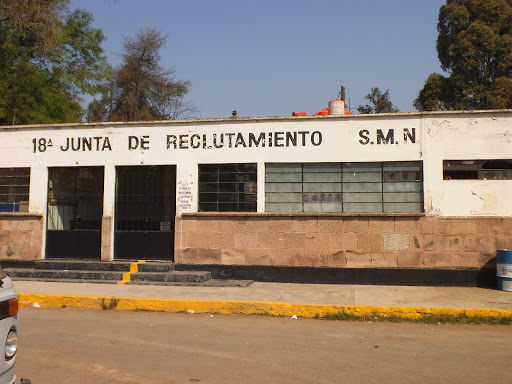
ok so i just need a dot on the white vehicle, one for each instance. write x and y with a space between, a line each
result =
8 330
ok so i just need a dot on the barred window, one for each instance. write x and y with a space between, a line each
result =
75 198
344 187
477 169
227 187
14 189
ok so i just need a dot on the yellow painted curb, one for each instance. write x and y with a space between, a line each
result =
249 307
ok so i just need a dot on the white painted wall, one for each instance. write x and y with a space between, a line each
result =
438 136
466 136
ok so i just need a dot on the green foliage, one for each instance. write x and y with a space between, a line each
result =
33 26
29 95
500 94
48 59
438 94
474 47
81 54
380 103
142 89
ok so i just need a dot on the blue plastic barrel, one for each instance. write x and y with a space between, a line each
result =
504 269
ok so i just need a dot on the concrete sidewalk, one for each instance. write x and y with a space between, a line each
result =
306 300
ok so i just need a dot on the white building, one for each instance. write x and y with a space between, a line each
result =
394 194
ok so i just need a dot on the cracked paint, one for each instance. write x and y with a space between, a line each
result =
488 197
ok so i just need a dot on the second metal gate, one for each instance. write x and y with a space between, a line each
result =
145 210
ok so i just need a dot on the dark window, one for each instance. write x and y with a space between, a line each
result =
477 169
14 189
75 198
227 187
344 187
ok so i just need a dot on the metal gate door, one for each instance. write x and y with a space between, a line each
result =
75 208
145 210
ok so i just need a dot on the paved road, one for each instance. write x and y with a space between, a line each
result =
88 346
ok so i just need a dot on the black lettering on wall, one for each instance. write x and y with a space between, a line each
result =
303 135
388 139
171 140
77 142
195 141
215 144
87 143
410 135
363 134
64 149
97 140
144 142
133 142
204 143
278 137
230 141
41 145
261 139
183 141
316 142
291 137
106 144
240 141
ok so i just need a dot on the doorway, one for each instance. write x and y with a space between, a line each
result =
144 212
74 212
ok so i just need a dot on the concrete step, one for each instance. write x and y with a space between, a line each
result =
18 264
52 280
89 265
89 275
19 273
149 273
208 283
82 265
185 277
155 266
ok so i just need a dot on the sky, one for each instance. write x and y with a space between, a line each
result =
272 58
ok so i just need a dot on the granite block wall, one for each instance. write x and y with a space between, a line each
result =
21 237
357 241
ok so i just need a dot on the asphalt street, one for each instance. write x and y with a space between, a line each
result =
93 346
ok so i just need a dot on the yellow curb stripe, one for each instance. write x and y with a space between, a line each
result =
247 307
134 268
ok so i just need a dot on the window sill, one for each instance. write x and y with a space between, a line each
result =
300 214
20 214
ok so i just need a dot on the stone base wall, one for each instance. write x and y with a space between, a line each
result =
21 237
352 241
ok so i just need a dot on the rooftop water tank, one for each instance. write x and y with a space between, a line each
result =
336 107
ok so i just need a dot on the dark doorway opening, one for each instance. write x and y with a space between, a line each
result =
74 212
145 211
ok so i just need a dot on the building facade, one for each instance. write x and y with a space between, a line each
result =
403 192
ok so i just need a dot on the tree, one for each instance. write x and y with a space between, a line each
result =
380 103
142 89
474 47
49 58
